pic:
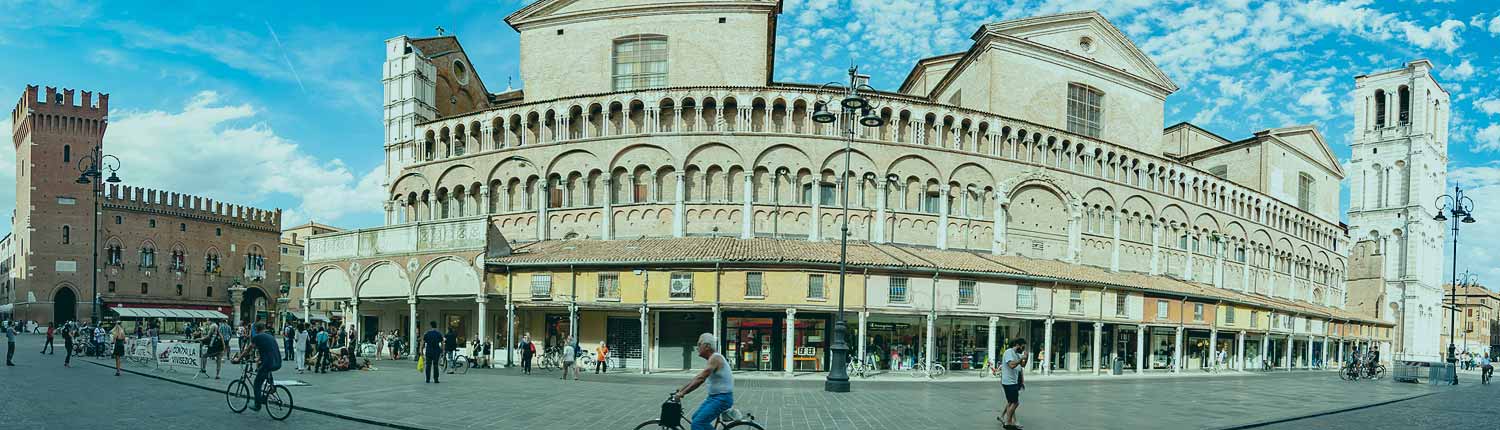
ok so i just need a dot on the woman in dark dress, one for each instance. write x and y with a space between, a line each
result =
119 339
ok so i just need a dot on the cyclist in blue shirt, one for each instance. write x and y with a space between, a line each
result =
264 346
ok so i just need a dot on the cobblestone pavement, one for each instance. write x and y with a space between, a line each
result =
502 398
1470 406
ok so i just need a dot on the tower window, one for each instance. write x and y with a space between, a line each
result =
67 235
640 62
1379 108
1304 192
67 153
182 227
119 219
151 223
218 231
1403 100
1085 111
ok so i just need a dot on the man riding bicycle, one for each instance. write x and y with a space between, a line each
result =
264 346
720 384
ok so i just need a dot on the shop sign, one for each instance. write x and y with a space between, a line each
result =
805 351
887 326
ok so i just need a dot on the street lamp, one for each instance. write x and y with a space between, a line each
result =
855 109
91 171
1461 208
1467 279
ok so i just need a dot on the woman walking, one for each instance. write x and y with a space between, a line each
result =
119 337
379 344
301 340
527 350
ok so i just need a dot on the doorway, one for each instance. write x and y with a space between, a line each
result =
751 343
64 305
368 327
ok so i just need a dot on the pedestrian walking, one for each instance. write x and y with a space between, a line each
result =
570 359
288 335
433 340
119 341
323 359
379 344
67 333
10 344
527 351
601 358
1012 380
450 345
50 328
301 339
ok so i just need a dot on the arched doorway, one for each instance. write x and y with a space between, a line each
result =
64 305
254 306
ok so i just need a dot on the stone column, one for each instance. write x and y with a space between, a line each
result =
1046 348
236 296
882 189
1341 353
645 341
1098 344
1140 348
1239 351
1289 346
679 206
1001 201
791 336
1071 357
718 329
1265 348
1325 350
484 317
991 352
1114 251
606 227
1075 236
1245 274
572 320
1177 351
1219 264
354 319
414 335
863 316
943 205
306 308
510 333
747 216
1187 269
930 343
815 226
1213 344
1155 248
390 212
1307 356
541 210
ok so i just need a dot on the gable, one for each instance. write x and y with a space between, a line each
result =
1087 35
1309 142
543 9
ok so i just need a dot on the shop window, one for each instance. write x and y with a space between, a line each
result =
966 293
815 287
1120 301
1161 309
541 286
897 292
1254 319
1025 297
752 285
1075 301
609 286
681 286
1197 312
111 286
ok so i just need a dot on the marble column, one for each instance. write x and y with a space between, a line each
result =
1213 345
1001 201
991 351
1140 348
541 210
1098 344
484 317
606 226
679 207
789 364
1187 269
1289 346
930 343
1046 348
510 333
306 308
1239 351
881 189
1155 248
1114 251
943 205
1265 349
747 215
815 224
413 334
863 317
1218 248
645 341
1177 351
1075 236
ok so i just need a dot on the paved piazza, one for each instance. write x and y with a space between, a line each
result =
42 394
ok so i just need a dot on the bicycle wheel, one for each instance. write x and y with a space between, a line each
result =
461 364
744 425
279 402
657 424
1379 372
938 370
237 396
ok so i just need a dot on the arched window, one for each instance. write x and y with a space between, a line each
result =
1379 108
639 62
67 235
1403 100
67 153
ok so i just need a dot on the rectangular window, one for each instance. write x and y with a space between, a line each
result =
640 62
1085 114
541 286
966 293
752 285
1197 312
1304 192
681 286
609 286
111 286
897 292
1254 319
1161 309
1025 297
1075 301
145 288
179 289
1120 300
1229 315
815 287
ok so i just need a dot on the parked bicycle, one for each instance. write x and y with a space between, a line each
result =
859 367
921 371
457 362
671 418
278 398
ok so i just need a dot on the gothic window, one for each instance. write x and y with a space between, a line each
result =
148 257
114 255
1085 112
1379 108
640 62
179 261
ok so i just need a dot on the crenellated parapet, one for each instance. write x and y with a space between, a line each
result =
60 112
163 202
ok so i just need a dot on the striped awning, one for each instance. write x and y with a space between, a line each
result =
168 313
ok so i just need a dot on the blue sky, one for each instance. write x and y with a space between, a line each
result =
278 104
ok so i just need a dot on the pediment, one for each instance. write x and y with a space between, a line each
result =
1307 140
549 8
1068 32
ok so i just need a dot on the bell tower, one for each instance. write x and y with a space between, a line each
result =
1398 167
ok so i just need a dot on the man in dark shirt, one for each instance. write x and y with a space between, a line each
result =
67 333
433 340
450 345
264 346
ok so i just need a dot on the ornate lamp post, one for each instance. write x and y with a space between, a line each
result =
1461 208
1467 279
91 171
854 110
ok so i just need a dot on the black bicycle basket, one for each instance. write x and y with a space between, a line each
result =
671 412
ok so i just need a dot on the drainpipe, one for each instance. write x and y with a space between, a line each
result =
510 319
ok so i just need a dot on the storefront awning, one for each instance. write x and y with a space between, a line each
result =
168 313
5 308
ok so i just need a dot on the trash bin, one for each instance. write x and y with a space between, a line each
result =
1118 367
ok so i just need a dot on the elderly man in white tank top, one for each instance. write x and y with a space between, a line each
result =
720 384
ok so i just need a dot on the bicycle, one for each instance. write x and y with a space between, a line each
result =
858 367
671 418
932 372
457 363
278 399
1374 372
1350 372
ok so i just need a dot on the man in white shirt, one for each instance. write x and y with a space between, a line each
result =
1012 364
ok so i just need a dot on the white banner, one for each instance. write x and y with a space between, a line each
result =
178 354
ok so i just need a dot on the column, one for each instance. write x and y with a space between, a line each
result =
1187 269
1289 346
679 217
930 343
390 212
1001 201
306 308
1114 251
791 337
881 189
1046 348
510 333
484 201
1098 344
1219 264
815 226
354 316
1308 355
414 335
572 321
718 326
1140 349
991 351
747 216
863 316
607 226
484 317
1075 237
645 342
541 210
1213 344
1239 351
1245 275
1070 362
943 205
1155 248
1177 351
1265 348
1341 353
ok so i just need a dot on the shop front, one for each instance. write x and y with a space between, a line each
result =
1197 354
755 341
1120 340
895 342
677 339
1161 348
1254 355
1224 343
1276 351
963 342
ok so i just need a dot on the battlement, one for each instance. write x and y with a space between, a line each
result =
61 111
188 206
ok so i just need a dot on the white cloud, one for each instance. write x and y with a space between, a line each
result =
215 149
1482 184
1443 36
1488 105
1487 139
1494 26
1317 101
1464 71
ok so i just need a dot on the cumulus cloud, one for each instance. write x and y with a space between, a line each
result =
1482 184
1317 101
1443 36
1464 71
216 149
1487 139
1488 105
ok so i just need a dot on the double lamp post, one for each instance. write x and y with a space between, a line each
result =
91 170
1461 209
